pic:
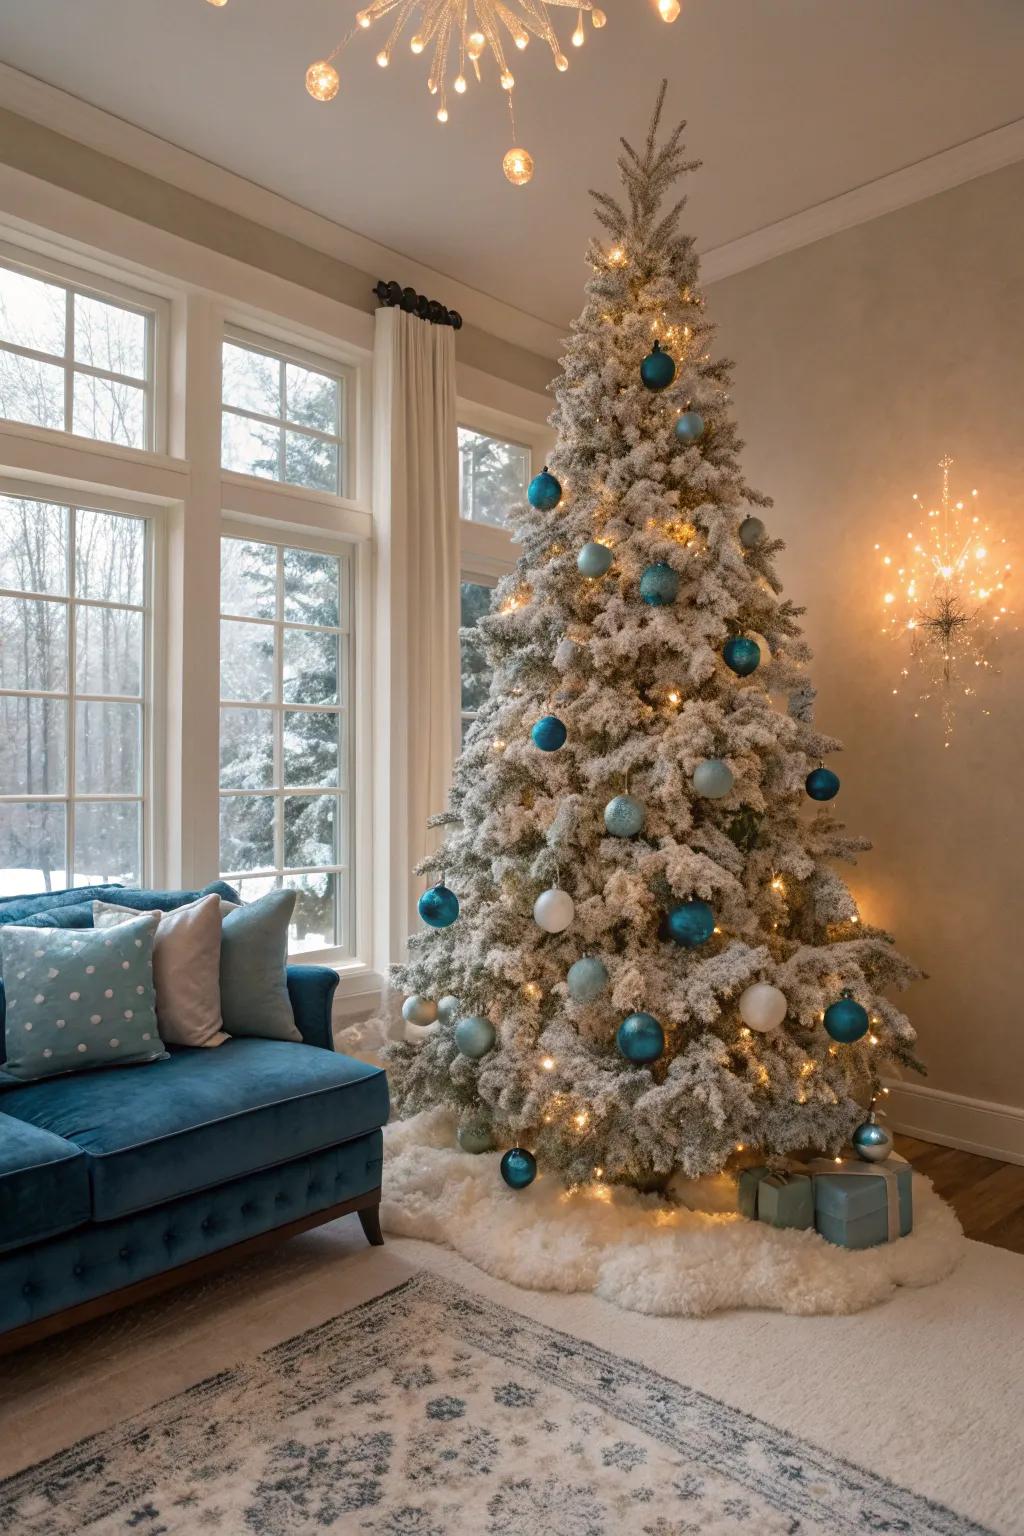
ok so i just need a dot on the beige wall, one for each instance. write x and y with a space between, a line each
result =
860 361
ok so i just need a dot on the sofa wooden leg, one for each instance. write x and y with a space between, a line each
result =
370 1218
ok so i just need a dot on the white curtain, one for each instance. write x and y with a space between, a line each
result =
416 514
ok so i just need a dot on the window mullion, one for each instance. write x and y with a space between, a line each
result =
279 711
71 723
69 357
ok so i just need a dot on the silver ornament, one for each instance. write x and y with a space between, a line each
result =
448 1009
419 1010
871 1141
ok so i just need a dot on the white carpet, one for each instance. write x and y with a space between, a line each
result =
635 1250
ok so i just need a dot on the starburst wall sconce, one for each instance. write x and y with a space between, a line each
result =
945 599
459 36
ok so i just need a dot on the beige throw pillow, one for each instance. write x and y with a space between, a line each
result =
186 967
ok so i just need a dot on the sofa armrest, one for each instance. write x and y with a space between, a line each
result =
311 990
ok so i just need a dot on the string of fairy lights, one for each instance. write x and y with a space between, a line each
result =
459 36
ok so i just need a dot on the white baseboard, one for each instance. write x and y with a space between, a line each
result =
953 1120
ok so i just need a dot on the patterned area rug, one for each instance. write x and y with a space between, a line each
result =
430 1412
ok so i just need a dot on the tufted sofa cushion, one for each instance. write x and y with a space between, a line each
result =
46 1278
44 1184
202 1117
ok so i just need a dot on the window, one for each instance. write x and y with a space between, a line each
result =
74 613
285 659
74 360
493 476
475 601
282 417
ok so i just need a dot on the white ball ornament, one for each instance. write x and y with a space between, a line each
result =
763 1007
553 910
419 1010
417 1034
448 1009
713 778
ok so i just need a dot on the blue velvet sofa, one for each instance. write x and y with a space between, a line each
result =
118 1182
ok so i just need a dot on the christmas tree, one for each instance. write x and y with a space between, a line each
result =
638 954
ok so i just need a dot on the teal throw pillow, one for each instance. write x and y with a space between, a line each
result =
253 960
79 998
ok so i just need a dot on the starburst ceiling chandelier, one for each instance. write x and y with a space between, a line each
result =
460 36
945 597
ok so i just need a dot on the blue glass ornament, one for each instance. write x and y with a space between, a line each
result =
713 778
690 427
657 369
594 560
475 1036
822 784
691 923
640 1038
587 979
741 655
846 1020
518 1168
545 492
549 733
752 531
438 907
659 585
476 1137
871 1141
624 816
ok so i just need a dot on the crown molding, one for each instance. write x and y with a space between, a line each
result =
938 173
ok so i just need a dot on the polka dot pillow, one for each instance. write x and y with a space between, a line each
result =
79 997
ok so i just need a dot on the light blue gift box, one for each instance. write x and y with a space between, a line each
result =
851 1208
780 1199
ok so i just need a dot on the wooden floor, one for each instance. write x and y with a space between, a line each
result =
987 1196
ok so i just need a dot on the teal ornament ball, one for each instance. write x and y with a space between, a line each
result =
587 979
624 816
872 1142
846 1020
659 585
741 655
594 560
640 1038
448 1009
518 1168
438 907
752 531
475 1036
548 733
690 427
822 784
691 923
545 492
419 1010
475 1137
657 369
713 778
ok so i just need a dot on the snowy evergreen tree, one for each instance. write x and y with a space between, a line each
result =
639 679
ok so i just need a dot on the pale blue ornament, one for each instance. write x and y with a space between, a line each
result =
624 816
752 531
476 1137
587 979
690 427
475 1036
594 560
419 1010
448 1009
871 1141
713 778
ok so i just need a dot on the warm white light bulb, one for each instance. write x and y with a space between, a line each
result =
417 44
579 36
668 9
363 19
518 166
322 80
382 59
561 62
521 39
460 84
475 45
598 18
217 2
442 114
508 80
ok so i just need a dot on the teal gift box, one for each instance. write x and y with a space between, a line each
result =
859 1205
780 1199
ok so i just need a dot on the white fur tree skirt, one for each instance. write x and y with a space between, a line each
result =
639 1251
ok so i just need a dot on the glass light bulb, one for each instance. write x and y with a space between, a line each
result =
217 2
518 166
598 18
442 114
417 44
322 80
579 36
460 84
508 80
475 43
363 19
432 86
561 62
382 59
668 9
521 39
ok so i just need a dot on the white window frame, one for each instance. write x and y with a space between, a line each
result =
149 796
153 308
345 791
290 352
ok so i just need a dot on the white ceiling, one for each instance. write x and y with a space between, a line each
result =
789 102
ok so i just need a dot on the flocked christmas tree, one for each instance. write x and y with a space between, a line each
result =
653 959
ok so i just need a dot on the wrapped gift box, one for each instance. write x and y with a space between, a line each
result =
780 1199
859 1205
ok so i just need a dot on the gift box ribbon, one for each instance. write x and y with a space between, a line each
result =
858 1169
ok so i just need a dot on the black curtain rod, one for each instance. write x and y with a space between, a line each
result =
393 295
